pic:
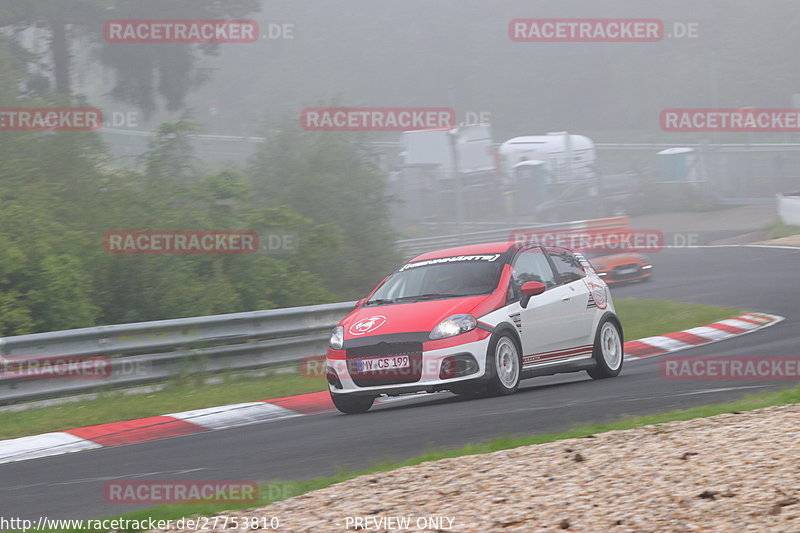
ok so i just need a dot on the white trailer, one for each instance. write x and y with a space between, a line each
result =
434 147
566 157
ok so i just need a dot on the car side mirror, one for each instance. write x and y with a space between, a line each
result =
530 289
361 302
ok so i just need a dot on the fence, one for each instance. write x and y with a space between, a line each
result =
736 173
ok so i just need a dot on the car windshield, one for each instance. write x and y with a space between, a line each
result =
442 280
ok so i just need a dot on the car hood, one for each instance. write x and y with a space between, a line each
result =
406 317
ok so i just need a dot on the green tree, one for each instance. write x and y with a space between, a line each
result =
328 178
144 72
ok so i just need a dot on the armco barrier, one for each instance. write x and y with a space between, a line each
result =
789 208
148 352
413 247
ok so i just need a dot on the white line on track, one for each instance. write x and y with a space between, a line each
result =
722 389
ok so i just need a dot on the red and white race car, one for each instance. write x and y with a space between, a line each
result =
475 319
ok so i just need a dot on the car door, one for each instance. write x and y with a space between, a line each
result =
579 309
541 323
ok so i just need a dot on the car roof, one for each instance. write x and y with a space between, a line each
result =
469 249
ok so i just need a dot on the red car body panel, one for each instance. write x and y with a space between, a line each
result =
405 317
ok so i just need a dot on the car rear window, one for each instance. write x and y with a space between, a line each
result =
567 264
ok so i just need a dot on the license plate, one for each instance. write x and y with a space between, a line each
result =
384 363
626 270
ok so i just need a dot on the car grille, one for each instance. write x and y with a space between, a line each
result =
626 272
393 376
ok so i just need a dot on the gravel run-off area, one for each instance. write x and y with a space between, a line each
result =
729 473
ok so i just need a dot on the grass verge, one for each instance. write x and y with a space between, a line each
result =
640 318
275 492
646 318
176 396
779 230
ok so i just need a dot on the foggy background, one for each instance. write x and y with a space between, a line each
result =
458 54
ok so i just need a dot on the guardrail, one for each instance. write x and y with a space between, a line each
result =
413 247
148 352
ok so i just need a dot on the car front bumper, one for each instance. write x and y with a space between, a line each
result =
429 369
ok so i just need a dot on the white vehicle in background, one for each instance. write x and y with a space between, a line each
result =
565 157
434 147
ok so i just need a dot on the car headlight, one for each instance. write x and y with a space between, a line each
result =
454 325
337 338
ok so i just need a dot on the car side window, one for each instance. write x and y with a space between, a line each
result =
531 265
567 264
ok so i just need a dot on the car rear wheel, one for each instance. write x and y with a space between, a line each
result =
506 365
351 404
607 351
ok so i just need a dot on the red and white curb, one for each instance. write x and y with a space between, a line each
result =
159 427
241 414
682 340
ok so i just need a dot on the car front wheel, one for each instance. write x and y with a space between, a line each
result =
506 365
351 404
607 351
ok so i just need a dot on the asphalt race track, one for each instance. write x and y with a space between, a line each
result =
752 279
